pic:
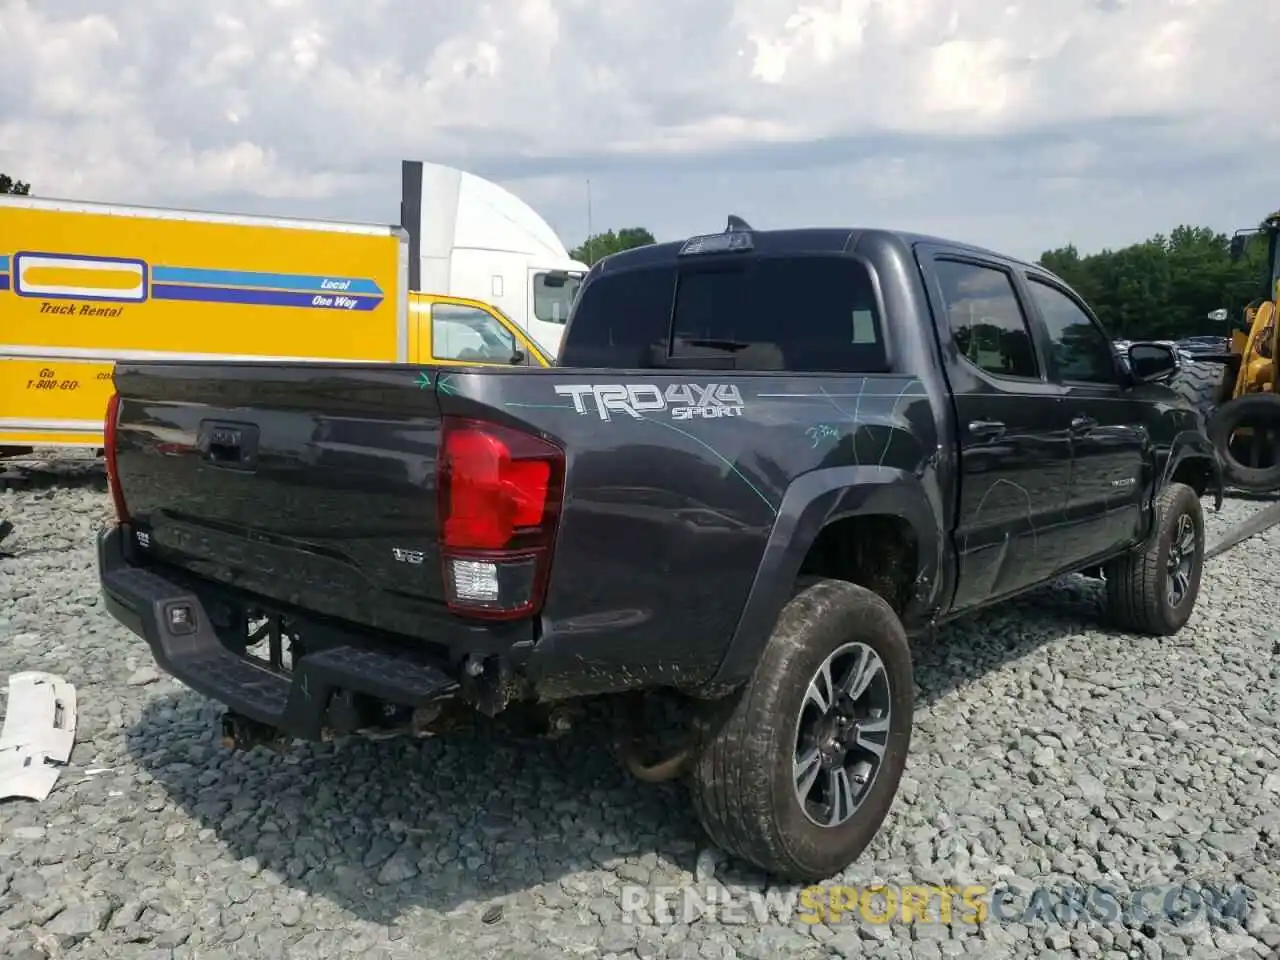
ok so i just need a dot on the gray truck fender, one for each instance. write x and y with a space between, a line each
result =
1191 445
811 502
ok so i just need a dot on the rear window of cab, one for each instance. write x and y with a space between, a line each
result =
802 314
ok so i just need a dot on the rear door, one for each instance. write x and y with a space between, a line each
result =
1015 446
1108 434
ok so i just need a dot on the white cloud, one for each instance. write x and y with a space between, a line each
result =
314 103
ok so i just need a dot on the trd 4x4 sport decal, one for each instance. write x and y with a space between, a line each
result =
684 401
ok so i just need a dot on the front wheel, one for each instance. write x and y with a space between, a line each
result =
1153 589
800 772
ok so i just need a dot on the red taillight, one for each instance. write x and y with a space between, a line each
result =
109 451
499 502
492 494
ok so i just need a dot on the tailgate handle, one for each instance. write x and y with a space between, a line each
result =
230 445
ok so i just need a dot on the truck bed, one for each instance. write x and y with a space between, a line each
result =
329 509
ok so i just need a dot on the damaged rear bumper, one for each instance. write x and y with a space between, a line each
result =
313 696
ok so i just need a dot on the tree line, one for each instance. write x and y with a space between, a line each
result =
600 245
1160 288
1164 287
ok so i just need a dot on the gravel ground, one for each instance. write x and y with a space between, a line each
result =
1047 751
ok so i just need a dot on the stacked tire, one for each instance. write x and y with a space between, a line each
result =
1200 383
1260 414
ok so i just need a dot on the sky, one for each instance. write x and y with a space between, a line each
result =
1022 126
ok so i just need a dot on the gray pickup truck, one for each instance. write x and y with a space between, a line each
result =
764 461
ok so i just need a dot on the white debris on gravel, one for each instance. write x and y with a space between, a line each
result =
1047 752
38 733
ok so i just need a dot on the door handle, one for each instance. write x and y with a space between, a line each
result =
986 429
1083 424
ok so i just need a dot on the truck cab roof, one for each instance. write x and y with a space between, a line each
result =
808 240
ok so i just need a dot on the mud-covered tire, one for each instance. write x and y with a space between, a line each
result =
1201 384
1137 593
743 778
1246 411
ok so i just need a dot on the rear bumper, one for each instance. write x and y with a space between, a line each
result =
298 703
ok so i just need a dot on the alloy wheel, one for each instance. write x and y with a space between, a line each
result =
1181 560
841 734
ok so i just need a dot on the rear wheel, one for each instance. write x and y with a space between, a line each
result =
800 770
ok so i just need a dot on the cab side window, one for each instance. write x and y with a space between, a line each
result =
470 335
1081 350
986 319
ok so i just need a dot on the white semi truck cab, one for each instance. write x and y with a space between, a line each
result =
471 238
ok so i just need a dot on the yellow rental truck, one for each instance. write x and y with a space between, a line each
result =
84 284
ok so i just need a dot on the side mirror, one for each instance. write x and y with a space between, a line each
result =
1219 315
1237 246
517 358
1149 362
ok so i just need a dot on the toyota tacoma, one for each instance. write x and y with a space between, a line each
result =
764 462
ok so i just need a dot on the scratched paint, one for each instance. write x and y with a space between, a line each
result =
872 392
820 434
654 403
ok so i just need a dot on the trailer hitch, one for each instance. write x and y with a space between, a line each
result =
245 733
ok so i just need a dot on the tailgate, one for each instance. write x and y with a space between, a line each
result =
308 484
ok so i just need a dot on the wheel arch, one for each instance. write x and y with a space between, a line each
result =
1192 460
886 507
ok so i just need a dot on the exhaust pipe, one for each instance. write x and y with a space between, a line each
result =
627 748
670 769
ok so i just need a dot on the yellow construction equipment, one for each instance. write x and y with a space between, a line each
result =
1237 391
